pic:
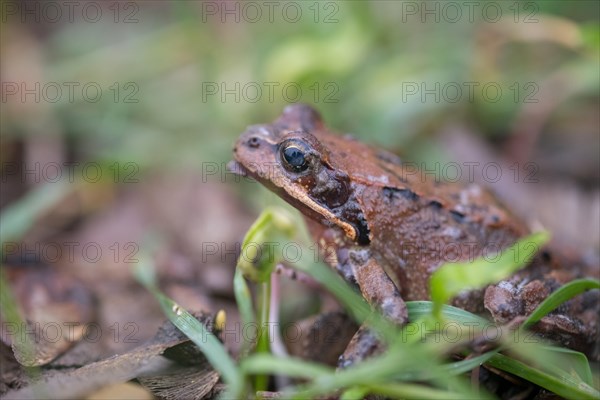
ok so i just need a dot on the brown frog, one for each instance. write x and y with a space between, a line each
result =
391 228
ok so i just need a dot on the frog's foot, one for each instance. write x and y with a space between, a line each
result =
381 292
364 344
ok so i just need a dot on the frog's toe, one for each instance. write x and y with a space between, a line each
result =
394 309
364 344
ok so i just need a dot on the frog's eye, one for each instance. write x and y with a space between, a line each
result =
295 156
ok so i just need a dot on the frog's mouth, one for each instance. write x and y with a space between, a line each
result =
238 169
308 207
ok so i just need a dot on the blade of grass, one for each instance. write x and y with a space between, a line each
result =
17 218
355 393
397 362
293 367
350 299
572 362
214 351
576 363
212 348
420 309
565 386
414 391
560 296
21 340
576 360
560 362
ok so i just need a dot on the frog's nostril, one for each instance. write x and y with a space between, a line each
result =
253 142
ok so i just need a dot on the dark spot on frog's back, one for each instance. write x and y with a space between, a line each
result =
436 205
363 231
457 216
392 194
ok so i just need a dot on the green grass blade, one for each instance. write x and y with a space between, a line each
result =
355 393
564 364
576 361
468 364
414 391
293 367
214 351
420 309
398 362
18 217
560 296
349 298
11 316
565 386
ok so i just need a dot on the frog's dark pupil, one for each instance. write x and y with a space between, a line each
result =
295 158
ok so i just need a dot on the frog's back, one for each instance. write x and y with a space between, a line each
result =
416 223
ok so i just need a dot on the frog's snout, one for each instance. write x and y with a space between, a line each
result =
254 137
248 141
253 142
245 141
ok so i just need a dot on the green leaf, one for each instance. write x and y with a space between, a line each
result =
454 278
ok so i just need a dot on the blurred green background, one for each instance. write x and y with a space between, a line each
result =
178 81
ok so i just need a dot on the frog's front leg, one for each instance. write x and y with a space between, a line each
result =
379 291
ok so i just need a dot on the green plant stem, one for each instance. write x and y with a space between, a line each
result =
262 380
243 299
